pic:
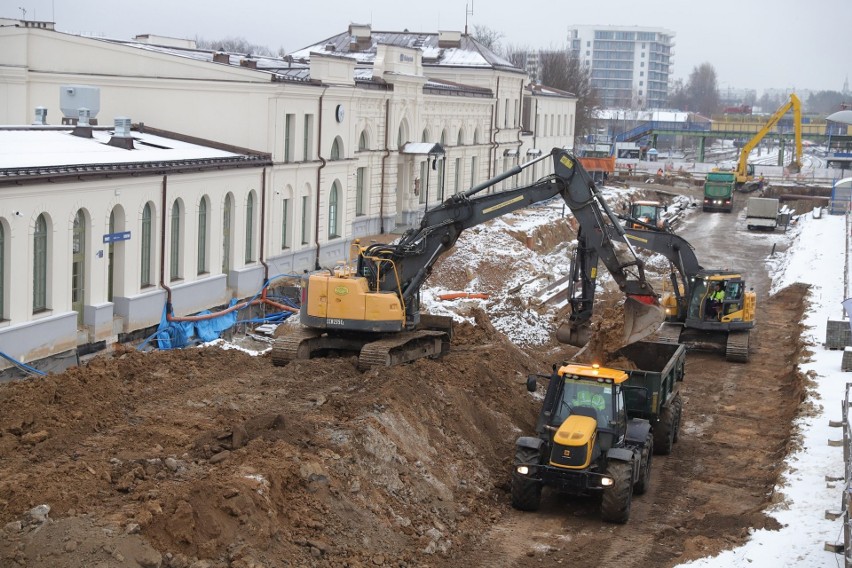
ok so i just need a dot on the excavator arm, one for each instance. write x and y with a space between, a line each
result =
402 267
793 104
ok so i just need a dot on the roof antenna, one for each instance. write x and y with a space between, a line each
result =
466 14
24 10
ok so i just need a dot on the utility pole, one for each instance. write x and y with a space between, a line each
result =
467 12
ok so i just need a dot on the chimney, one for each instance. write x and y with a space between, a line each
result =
40 116
221 57
121 137
83 129
449 39
248 62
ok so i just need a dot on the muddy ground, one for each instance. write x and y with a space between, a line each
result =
212 458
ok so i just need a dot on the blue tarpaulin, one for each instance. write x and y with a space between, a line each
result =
177 334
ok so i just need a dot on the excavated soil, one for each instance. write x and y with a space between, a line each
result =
208 458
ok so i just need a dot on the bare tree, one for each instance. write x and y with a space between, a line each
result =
519 56
234 45
488 37
563 70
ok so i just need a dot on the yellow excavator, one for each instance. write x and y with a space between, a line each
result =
745 171
372 307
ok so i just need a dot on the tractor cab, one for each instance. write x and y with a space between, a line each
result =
649 213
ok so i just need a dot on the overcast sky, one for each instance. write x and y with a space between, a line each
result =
780 44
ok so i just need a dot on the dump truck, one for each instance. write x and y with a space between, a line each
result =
719 191
598 428
762 213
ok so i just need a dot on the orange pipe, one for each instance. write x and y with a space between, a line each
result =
457 295
203 317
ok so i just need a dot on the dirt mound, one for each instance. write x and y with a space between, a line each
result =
218 456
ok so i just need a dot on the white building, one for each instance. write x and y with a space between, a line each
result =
100 228
630 65
363 131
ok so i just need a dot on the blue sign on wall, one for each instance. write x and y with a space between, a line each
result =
115 237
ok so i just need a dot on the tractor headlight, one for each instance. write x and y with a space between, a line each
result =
607 481
523 470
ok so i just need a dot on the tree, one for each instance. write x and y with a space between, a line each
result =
678 97
824 102
488 37
702 90
562 69
233 45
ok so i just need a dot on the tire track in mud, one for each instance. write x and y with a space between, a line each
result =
717 482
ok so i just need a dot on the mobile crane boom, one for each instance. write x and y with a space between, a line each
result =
745 173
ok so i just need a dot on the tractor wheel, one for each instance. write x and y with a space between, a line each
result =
664 431
615 504
644 482
678 413
526 492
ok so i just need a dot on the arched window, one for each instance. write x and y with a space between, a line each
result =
360 181
460 139
40 265
333 211
362 141
425 137
174 259
402 135
202 236
336 149
147 242
2 271
476 136
78 265
250 228
227 210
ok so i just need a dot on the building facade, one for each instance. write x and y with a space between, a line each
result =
363 132
630 66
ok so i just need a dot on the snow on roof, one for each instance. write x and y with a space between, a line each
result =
34 147
468 52
422 148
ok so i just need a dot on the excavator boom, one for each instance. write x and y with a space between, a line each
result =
374 307
793 104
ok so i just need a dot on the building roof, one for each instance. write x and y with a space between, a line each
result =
31 152
536 89
463 52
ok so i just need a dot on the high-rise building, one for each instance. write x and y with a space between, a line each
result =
630 66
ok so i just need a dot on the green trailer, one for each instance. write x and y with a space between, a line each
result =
659 370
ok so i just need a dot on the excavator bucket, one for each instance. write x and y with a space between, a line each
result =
642 317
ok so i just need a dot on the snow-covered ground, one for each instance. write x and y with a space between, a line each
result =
817 256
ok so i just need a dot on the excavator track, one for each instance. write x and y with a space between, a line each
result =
736 349
294 345
401 348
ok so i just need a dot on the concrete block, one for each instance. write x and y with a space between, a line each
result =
846 362
837 334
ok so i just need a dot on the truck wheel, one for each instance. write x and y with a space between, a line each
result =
615 504
644 482
526 492
664 431
678 403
